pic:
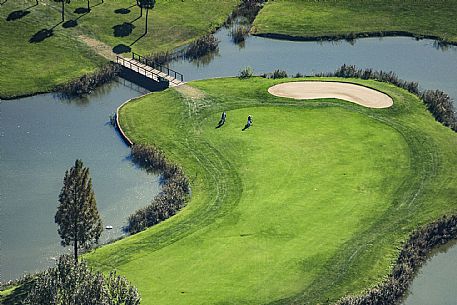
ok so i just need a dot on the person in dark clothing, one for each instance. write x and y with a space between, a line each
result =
222 120
248 123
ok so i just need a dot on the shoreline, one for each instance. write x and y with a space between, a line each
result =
352 36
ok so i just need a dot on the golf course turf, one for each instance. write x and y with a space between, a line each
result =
311 203
40 52
349 18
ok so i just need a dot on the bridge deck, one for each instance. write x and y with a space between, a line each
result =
147 71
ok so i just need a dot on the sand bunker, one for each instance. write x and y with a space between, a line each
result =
349 92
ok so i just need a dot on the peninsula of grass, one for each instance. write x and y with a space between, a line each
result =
309 19
39 52
311 203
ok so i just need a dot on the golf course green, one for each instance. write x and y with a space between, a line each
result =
311 203
348 18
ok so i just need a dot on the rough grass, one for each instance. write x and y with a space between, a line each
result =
310 18
311 203
38 67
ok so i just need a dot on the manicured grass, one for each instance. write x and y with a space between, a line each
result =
37 67
309 18
27 68
311 203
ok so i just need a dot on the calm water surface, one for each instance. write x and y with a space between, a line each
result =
412 60
40 138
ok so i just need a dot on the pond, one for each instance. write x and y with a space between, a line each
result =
41 137
436 282
414 60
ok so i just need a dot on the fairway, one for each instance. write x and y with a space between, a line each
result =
310 203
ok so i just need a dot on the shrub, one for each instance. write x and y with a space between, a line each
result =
239 33
247 9
412 256
276 74
170 200
89 82
202 46
246 72
74 284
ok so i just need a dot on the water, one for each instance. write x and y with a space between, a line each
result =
422 61
436 282
41 137
37 146
413 60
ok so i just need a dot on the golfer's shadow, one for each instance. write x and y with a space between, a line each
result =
245 127
220 124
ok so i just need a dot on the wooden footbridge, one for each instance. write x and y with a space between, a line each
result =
150 69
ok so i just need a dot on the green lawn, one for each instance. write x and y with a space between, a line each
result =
29 68
38 67
312 202
310 18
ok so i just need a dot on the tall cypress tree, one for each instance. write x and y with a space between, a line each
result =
77 215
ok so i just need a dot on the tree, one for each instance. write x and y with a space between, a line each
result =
69 284
77 215
147 4
63 7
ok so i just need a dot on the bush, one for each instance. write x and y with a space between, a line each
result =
276 74
239 33
74 284
247 9
246 72
170 200
89 82
412 256
202 46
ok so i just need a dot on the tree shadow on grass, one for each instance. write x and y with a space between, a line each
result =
123 30
135 19
122 11
41 35
144 34
17 15
81 10
121 48
70 24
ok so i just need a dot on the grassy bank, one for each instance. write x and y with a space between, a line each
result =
30 67
346 18
311 203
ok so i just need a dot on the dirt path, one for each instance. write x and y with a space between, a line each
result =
99 47
190 92
349 92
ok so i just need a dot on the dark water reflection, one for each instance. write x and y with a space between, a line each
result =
40 138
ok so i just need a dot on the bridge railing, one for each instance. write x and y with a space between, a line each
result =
127 63
157 66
